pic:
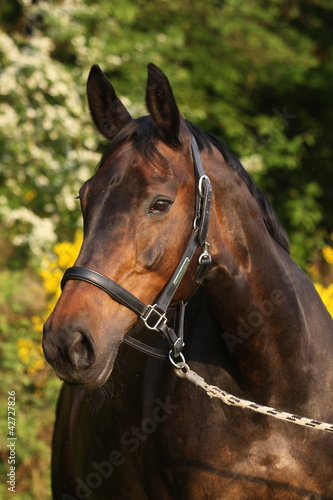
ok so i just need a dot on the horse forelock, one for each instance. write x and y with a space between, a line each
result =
143 134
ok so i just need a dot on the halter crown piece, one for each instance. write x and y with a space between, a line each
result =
155 316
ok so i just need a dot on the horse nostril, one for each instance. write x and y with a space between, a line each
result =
50 350
80 351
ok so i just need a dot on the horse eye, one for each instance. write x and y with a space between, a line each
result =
160 206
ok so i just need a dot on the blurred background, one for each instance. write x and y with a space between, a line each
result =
258 74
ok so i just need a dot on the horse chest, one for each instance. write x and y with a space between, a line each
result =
187 447
238 460
206 450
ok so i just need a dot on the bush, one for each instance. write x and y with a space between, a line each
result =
24 371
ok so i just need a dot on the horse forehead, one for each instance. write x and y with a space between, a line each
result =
120 164
127 166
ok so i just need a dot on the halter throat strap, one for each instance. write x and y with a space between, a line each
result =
155 316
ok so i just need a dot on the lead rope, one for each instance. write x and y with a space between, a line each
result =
182 370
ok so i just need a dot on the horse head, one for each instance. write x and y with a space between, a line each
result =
138 211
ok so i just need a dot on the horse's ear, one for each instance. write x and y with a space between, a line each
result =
107 111
162 106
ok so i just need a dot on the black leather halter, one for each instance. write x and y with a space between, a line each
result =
155 316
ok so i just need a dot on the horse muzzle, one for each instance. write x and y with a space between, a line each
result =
73 355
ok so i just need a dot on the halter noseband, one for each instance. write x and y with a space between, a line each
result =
155 316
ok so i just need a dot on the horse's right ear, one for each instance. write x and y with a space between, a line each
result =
107 111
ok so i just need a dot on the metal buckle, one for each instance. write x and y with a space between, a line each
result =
202 197
200 183
161 317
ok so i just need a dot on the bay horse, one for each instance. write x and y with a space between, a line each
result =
183 258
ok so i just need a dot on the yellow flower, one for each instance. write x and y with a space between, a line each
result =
65 253
24 347
30 354
328 254
31 194
64 256
37 365
326 295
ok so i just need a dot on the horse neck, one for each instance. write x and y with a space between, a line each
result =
266 306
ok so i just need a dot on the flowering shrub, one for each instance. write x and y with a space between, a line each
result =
63 256
47 142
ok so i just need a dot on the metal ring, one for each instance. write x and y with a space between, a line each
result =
205 258
173 362
195 227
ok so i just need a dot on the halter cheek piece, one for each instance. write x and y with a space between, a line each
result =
155 316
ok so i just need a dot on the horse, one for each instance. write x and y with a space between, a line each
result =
183 261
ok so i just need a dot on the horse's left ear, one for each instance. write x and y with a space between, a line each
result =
162 106
107 111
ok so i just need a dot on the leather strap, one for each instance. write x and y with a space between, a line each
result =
145 348
205 205
196 157
110 287
175 280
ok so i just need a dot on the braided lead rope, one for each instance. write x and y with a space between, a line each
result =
183 371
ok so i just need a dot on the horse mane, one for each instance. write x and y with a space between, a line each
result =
142 131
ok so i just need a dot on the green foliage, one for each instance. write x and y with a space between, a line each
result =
257 74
